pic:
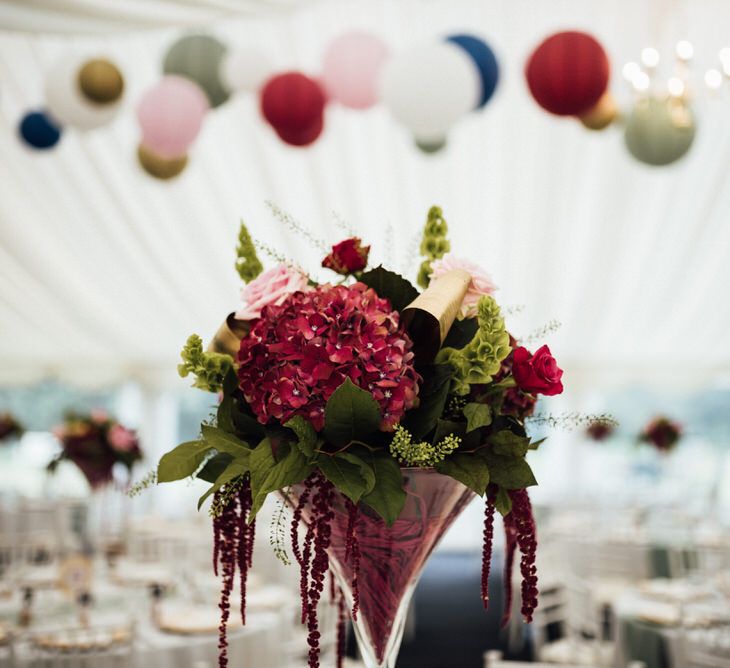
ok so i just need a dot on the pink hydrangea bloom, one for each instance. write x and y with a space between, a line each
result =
303 349
122 439
481 282
271 287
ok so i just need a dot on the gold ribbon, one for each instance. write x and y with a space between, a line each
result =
429 317
227 339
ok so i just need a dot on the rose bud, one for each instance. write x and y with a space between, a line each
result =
347 257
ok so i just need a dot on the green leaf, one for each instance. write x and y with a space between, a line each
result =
350 414
225 442
390 285
246 424
224 415
477 415
366 469
344 474
446 427
461 333
534 445
503 502
509 444
260 464
214 467
508 472
181 462
305 433
434 392
468 469
236 468
288 471
388 496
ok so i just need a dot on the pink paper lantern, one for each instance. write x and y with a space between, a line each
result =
351 69
171 115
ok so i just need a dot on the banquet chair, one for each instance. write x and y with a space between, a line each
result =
707 648
583 642
493 659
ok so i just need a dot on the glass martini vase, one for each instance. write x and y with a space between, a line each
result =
392 558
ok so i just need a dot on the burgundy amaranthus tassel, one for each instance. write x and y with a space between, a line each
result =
305 566
233 548
510 544
322 517
216 544
487 548
228 547
527 540
520 531
352 553
246 536
297 517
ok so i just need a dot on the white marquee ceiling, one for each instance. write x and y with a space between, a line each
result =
105 271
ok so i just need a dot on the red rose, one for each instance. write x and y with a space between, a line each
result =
538 373
347 257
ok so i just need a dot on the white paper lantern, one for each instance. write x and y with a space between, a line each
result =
429 88
67 104
246 69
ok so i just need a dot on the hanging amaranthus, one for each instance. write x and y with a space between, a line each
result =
488 534
520 531
232 549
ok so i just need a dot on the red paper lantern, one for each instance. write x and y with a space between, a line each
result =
294 106
568 73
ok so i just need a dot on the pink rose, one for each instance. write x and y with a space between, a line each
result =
99 415
122 439
481 282
271 287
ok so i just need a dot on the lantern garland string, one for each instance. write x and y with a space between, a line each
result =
427 89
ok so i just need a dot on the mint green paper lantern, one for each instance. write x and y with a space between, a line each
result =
198 58
659 131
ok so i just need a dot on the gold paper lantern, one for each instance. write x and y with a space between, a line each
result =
602 115
101 81
161 168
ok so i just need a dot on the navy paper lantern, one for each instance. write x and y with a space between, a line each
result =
485 62
39 131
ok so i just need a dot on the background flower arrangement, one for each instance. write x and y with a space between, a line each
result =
95 443
329 389
10 428
662 432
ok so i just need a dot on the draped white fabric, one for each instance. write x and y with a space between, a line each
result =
105 271
110 16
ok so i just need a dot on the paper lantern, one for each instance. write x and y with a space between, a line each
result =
171 115
351 69
66 102
430 145
659 131
602 115
429 88
294 106
100 81
198 58
484 60
160 168
245 69
39 131
568 73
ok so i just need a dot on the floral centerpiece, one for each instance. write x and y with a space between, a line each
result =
95 443
10 428
662 432
376 412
